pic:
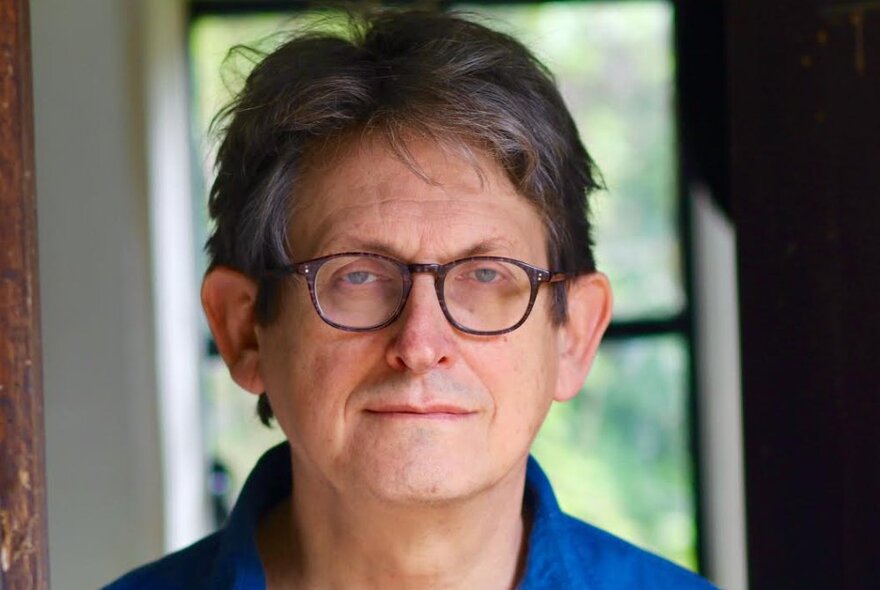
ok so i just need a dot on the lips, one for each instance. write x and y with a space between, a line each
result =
419 411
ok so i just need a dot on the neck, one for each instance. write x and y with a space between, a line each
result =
320 539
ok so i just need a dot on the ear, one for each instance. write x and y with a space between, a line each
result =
589 312
228 298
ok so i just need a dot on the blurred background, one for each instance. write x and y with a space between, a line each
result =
149 441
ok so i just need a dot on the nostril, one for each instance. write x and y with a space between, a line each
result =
421 342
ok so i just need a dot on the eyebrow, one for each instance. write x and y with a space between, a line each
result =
483 247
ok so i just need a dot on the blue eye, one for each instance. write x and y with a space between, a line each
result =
485 275
360 277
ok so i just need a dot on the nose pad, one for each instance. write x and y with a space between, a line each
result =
423 335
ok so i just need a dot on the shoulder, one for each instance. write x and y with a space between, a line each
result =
182 570
611 563
574 554
229 557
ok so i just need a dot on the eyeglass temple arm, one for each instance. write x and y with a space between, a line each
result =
284 271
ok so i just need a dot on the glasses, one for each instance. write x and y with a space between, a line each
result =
361 292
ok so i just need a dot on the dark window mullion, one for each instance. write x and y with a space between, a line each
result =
635 328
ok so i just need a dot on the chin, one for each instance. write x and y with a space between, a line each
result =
422 490
425 478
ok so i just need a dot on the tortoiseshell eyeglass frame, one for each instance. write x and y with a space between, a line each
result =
309 270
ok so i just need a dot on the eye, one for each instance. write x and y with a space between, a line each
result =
359 277
485 275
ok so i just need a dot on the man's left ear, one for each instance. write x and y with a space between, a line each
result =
589 312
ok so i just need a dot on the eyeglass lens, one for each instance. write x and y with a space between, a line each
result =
361 292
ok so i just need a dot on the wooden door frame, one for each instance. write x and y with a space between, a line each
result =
805 179
23 532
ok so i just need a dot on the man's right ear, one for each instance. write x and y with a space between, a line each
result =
229 298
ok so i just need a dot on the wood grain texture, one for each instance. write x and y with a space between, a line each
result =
23 538
805 177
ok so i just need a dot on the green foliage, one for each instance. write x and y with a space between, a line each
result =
618 454
614 64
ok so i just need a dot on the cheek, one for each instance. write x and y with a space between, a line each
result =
521 377
310 380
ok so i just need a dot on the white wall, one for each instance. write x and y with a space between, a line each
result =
717 337
103 455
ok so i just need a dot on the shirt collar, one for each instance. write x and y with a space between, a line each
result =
238 563
546 560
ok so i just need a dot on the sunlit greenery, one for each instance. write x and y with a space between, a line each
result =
614 65
618 454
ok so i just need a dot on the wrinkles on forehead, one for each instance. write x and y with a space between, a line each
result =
483 247
360 195
410 230
323 155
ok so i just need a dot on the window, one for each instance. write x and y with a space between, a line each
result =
620 454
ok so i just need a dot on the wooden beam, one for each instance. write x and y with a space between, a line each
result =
805 177
23 533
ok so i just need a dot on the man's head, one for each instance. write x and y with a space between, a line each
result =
426 138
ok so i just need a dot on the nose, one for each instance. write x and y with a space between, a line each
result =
423 338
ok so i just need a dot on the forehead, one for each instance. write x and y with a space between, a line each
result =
441 204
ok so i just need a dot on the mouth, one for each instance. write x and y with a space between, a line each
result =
430 412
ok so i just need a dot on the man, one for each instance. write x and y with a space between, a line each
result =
401 269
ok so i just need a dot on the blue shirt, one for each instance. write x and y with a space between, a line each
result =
563 551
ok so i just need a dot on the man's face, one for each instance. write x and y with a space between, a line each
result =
416 411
